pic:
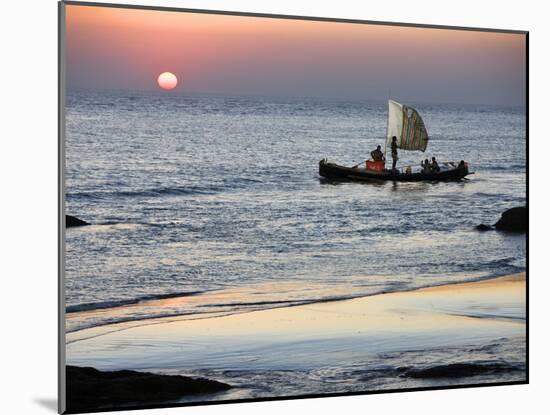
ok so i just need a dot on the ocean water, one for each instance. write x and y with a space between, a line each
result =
205 205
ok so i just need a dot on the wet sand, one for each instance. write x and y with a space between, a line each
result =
482 323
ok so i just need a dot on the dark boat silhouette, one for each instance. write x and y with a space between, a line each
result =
335 171
406 125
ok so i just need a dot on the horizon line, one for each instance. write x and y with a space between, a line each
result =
184 93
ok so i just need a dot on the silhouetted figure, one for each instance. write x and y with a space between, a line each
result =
394 152
377 154
425 166
434 167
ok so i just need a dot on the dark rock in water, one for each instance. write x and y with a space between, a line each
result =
90 389
513 220
71 222
454 370
482 227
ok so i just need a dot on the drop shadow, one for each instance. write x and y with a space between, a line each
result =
48 403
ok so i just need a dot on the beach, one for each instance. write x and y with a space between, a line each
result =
454 334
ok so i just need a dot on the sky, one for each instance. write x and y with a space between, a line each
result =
127 49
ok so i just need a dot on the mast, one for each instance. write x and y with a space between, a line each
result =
387 129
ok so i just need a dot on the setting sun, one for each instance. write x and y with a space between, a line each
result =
167 80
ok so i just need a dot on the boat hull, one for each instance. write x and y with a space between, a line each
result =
337 172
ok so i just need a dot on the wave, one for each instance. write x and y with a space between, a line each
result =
293 303
189 315
260 303
153 192
510 167
237 307
140 320
119 303
226 184
224 309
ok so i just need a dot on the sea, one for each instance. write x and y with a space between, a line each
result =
204 205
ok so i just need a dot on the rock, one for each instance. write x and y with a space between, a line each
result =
454 370
482 227
71 222
89 389
513 220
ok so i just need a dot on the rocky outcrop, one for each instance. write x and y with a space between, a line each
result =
90 389
71 222
513 220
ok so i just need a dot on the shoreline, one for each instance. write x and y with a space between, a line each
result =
452 334
135 322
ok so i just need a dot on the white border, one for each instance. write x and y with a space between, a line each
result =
29 208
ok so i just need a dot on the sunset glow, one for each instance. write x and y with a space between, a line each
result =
244 55
167 80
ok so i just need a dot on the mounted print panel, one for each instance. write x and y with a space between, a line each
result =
265 207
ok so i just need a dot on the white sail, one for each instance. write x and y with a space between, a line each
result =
406 124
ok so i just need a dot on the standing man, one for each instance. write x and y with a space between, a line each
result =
394 152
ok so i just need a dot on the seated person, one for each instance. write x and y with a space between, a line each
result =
434 167
425 166
377 154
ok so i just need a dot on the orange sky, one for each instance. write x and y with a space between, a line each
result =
129 48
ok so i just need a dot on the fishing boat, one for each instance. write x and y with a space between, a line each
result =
404 123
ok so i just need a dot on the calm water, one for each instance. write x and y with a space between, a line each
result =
217 200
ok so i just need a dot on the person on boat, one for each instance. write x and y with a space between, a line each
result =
434 167
394 152
377 154
425 166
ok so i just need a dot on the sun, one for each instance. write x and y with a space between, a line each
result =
167 81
